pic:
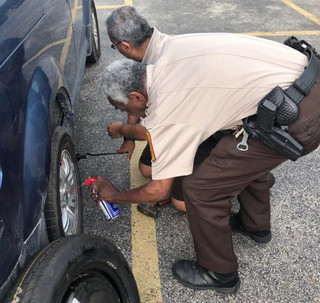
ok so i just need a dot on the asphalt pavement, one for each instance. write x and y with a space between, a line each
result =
285 270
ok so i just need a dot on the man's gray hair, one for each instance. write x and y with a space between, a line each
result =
123 77
126 24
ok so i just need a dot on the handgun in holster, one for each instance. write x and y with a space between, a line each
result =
275 112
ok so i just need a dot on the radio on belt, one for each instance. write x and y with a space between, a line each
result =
109 210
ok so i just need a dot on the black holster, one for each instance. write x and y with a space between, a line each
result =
277 139
279 109
275 111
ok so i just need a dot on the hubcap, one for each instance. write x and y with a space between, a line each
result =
91 287
69 198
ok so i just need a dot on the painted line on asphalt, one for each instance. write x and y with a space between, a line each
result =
283 33
302 11
126 3
143 240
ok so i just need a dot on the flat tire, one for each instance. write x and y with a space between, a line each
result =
78 269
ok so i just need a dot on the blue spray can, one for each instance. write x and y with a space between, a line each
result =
109 210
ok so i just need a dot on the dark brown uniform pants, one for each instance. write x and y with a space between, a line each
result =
228 173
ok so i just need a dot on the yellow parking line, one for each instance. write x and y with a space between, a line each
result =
302 11
283 33
126 2
108 6
144 241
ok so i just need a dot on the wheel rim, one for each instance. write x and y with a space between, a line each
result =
69 198
95 30
91 287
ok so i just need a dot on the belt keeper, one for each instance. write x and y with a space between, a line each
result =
301 87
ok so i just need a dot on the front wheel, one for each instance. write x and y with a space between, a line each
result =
78 269
63 208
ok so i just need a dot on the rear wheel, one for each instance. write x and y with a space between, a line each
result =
78 269
63 209
95 36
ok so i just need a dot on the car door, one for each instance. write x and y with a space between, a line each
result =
30 32
12 87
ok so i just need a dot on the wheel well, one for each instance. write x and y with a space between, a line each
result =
62 111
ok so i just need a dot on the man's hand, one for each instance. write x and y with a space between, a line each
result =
102 189
114 130
127 147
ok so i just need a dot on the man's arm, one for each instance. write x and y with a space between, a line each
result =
133 119
155 190
130 131
136 132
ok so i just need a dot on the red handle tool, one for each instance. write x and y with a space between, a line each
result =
88 181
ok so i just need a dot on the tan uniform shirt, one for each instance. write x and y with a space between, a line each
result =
206 82
155 47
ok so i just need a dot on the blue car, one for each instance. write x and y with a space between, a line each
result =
44 47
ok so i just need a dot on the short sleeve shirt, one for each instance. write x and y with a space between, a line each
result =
202 83
154 47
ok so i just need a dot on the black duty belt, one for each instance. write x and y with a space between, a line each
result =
302 86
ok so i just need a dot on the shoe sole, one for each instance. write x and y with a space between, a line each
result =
224 290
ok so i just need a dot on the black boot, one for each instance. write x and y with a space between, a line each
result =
272 179
191 274
260 236
148 209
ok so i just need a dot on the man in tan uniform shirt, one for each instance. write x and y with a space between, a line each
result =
133 37
203 83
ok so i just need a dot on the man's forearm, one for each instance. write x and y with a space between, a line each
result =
155 190
135 132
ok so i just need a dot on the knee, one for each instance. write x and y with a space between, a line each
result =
145 170
178 204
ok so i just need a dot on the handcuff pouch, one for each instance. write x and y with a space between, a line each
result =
275 110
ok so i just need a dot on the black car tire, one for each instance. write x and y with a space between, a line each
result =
80 268
95 36
63 208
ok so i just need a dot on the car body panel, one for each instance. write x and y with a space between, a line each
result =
42 61
11 11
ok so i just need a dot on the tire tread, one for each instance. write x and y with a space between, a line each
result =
57 255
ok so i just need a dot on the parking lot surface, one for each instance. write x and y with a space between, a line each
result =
285 270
